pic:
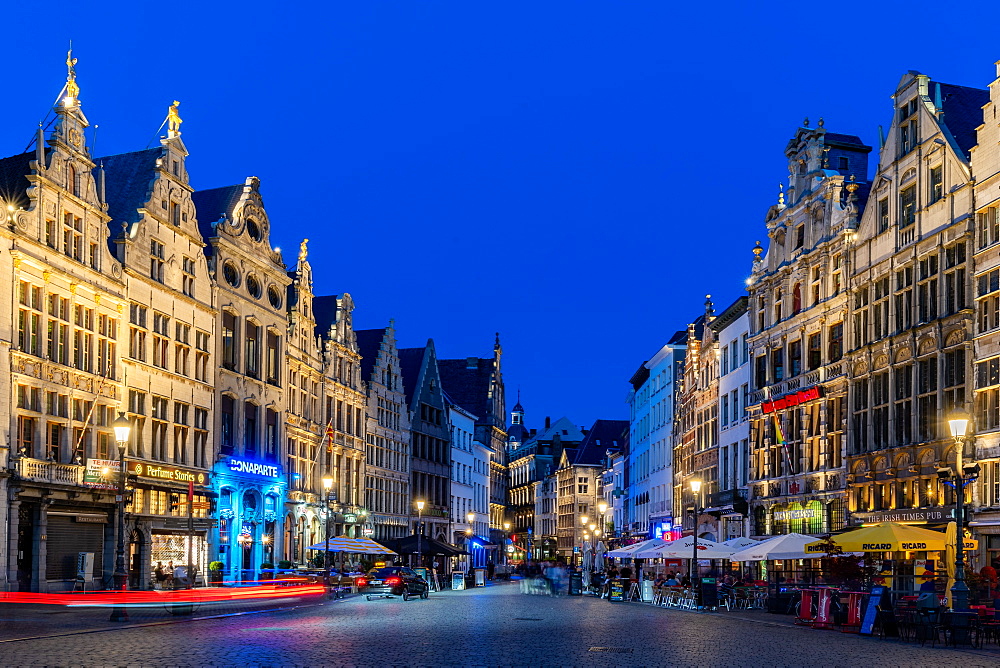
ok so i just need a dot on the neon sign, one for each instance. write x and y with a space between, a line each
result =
253 468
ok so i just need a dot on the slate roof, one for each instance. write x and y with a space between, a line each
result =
963 112
13 179
517 432
211 204
325 312
369 345
128 184
834 137
603 436
410 361
470 388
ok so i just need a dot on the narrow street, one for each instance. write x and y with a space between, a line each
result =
495 626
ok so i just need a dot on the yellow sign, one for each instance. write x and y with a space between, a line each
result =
168 473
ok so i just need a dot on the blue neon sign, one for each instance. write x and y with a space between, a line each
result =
253 468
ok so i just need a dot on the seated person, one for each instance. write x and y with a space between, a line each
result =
672 581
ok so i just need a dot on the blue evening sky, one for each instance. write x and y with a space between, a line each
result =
575 175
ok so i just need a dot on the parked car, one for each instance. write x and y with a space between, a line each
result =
393 581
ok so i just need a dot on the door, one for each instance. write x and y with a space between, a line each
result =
25 544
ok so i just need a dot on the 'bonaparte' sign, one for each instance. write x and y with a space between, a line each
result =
253 468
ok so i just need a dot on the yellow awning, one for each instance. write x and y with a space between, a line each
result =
889 537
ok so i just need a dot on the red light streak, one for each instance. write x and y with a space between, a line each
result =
179 597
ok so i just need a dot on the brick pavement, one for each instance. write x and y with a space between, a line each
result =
495 626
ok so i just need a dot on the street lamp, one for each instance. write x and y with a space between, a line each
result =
506 531
123 429
962 475
695 488
420 509
328 486
470 518
602 508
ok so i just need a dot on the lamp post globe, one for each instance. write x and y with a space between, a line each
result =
123 429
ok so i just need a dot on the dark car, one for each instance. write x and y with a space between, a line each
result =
393 581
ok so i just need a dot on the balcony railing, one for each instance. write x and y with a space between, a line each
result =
814 377
38 470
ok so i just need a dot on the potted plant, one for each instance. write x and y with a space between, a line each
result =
284 565
215 572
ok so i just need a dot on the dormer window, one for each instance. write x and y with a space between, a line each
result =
842 163
175 168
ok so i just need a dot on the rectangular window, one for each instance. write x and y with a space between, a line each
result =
229 341
794 358
936 185
883 215
273 358
187 270
201 356
907 206
227 439
836 346
989 227
156 260
253 350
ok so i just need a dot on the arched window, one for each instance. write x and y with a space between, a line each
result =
797 298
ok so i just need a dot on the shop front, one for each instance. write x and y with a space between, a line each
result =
250 493
168 524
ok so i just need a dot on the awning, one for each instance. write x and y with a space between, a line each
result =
425 545
890 537
479 541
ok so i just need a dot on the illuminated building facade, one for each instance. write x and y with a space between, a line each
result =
696 430
729 501
387 471
911 328
476 384
798 311
249 349
650 456
986 292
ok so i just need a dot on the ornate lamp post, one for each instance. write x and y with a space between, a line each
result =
602 508
420 510
961 476
123 428
328 486
695 488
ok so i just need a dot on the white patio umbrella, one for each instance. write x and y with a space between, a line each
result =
630 550
599 551
788 546
740 543
683 548
588 556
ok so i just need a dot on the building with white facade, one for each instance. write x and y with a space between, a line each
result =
470 480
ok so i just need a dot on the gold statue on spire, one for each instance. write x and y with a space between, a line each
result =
72 89
303 250
174 120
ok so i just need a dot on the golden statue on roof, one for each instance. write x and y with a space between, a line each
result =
174 120
72 89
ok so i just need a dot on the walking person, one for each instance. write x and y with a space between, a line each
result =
490 569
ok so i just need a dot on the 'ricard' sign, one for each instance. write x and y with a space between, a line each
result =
253 468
